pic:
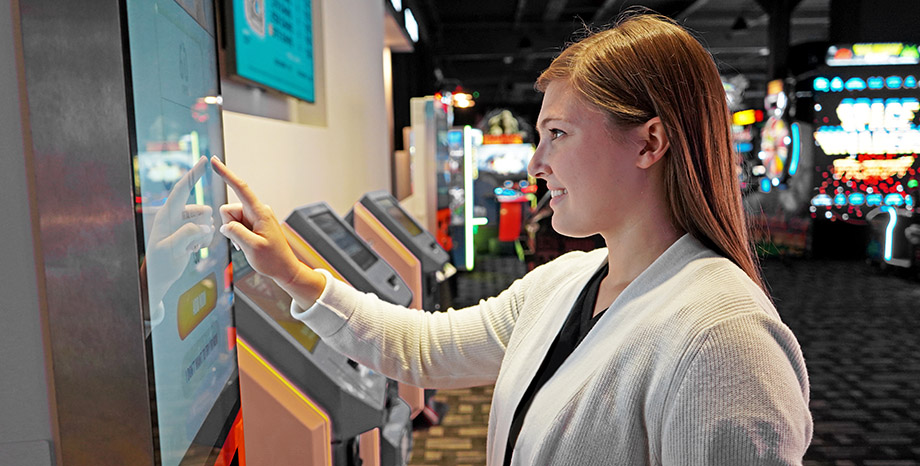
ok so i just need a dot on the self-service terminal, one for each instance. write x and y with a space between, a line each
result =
322 239
315 405
302 402
379 219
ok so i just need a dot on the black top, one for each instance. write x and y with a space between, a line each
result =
580 321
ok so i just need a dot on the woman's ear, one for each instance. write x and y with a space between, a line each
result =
655 143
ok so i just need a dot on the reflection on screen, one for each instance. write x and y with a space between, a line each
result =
345 240
175 84
397 213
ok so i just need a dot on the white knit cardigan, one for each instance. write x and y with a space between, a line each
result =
690 365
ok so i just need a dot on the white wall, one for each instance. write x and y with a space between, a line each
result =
289 165
25 423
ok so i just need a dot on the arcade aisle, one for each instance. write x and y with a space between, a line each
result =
858 330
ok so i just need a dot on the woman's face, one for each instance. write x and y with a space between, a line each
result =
589 165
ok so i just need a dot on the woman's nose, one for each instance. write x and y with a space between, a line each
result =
536 167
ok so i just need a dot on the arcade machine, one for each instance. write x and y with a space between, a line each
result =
461 145
777 182
746 136
322 239
866 114
504 191
431 118
415 254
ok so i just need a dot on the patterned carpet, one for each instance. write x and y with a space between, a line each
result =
860 334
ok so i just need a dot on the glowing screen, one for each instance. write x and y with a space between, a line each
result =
397 213
177 124
273 45
866 126
345 240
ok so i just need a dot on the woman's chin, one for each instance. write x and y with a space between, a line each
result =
570 229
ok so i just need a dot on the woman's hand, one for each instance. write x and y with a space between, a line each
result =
252 226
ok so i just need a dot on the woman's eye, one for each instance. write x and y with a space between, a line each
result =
556 133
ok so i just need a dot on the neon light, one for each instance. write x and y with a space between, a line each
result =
480 221
411 25
821 200
893 82
889 232
910 82
821 84
765 185
836 84
875 82
796 149
840 200
894 199
854 84
874 200
468 196
857 199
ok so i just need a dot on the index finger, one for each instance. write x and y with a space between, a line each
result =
183 188
247 197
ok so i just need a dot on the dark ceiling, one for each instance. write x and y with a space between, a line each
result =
499 47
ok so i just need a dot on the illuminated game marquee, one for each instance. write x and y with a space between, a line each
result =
866 118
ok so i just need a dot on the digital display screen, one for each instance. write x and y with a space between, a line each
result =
504 159
345 240
397 213
271 300
273 45
867 126
177 126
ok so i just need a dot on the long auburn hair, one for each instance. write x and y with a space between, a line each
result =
646 66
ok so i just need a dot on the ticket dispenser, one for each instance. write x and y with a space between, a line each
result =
322 239
302 402
394 234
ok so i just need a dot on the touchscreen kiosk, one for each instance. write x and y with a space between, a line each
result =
176 126
307 403
400 230
335 240
322 239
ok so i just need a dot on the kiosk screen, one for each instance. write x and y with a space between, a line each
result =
344 239
177 125
397 213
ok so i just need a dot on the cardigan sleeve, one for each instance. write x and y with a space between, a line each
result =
742 398
452 349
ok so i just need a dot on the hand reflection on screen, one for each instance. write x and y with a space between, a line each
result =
179 230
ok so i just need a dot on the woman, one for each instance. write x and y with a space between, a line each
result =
661 348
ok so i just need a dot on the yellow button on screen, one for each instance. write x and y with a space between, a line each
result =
196 303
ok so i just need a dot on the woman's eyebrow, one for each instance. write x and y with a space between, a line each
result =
544 122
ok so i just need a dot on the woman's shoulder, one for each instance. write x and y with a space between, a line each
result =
711 290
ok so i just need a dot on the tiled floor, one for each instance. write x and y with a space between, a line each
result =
860 334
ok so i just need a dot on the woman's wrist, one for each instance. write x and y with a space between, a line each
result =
305 285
